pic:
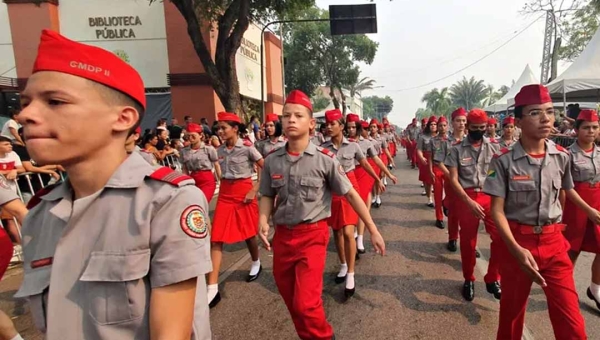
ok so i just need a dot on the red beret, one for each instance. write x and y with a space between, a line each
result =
138 130
477 116
532 95
460 112
385 120
424 121
386 124
588 115
332 115
374 122
380 126
492 121
351 117
271 117
228 117
432 119
298 97
59 54
442 120
508 120
364 124
193 127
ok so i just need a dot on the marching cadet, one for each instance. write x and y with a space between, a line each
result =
423 154
120 249
436 172
236 212
411 145
199 160
525 182
508 135
303 177
583 234
491 129
459 121
273 132
384 155
468 163
357 131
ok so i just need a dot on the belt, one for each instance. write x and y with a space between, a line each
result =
473 190
591 185
303 225
550 228
199 171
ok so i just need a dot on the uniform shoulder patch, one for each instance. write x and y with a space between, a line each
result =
37 198
501 152
561 148
170 176
247 143
194 222
326 151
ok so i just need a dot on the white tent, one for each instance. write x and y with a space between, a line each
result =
502 104
581 81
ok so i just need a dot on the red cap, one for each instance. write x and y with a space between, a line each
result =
588 115
442 120
386 124
532 95
492 121
364 124
271 117
477 116
432 119
414 120
298 97
193 127
138 130
459 112
228 117
423 121
332 115
351 117
59 54
374 122
508 120
385 120
380 126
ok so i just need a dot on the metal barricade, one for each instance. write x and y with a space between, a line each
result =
564 141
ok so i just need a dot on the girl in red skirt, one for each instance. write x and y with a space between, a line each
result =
382 148
273 132
236 213
357 131
583 234
199 160
423 153
343 217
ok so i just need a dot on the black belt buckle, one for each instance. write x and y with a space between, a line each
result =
538 229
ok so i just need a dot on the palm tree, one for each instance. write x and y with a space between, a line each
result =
437 101
468 93
504 90
491 95
363 84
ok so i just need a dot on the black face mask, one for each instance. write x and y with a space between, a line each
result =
476 135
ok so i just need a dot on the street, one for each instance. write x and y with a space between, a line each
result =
414 292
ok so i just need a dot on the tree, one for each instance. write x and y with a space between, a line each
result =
423 113
437 101
363 84
377 107
579 30
468 93
230 19
503 90
491 95
319 101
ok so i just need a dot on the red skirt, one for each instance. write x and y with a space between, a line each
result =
392 146
205 181
6 251
424 174
342 213
234 220
384 158
364 180
581 233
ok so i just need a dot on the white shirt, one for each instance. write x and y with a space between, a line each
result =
10 161
11 123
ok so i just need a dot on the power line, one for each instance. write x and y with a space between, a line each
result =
473 63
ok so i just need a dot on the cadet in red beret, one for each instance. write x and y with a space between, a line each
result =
382 149
412 134
508 135
273 132
120 249
491 129
525 181
423 154
437 173
199 161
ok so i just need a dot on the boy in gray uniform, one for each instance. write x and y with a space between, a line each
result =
119 250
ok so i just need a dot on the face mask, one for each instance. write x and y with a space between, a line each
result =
476 135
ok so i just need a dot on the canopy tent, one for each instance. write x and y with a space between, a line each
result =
581 81
502 104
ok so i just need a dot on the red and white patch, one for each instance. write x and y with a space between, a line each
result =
276 176
41 262
521 178
194 222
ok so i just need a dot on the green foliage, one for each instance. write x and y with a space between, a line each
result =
363 84
320 101
377 107
503 90
468 93
423 113
579 30
438 101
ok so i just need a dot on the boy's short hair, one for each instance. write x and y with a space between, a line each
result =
5 139
519 112
116 97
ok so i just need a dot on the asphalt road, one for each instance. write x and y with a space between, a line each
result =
411 293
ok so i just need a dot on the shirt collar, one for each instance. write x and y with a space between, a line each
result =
310 149
519 152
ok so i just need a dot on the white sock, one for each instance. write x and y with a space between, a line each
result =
212 292
17 337
343 270
359 242
378 199
355 234
255 267
430 201
350 281
374 200
385 181
595 290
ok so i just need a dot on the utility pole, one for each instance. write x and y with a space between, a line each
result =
547 53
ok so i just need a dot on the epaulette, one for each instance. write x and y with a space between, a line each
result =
561 148
37 198
247 143
502 151
168 175
457 142
326 151
145 151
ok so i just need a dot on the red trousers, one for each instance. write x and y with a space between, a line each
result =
449 203
550 254
469 227
298 264
438 192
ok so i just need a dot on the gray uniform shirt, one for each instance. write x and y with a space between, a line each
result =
199 159
147 156
530 187
90 264
266 146
366 146
585 167
424 142
413 132
347 154
238 162
303 185
376 144
505 144
6 193
472 163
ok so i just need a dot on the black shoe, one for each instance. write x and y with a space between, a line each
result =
357 257
591 296
445 210
333 337
477 253
340 279
251 278
494 289
451 246
431 205
349 292
468 291
376 205
361 251
439 224
215 301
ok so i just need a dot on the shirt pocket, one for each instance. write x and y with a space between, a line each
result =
347 162
238 165
468 168
310 188
523 191
114 286
35 289
583 172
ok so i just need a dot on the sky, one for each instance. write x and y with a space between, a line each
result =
422 41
